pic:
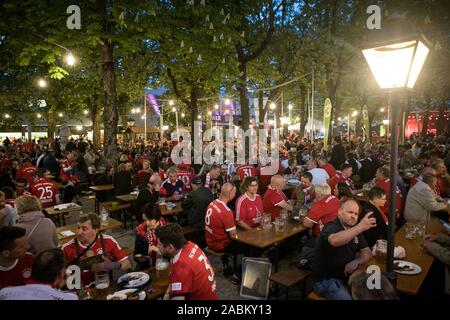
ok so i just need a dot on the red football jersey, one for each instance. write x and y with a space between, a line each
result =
113 252
18 273
219 220
248 210
185 175
339 177
328 167
162 174
192 275
45 191
246 171
270 201
323 211
26 172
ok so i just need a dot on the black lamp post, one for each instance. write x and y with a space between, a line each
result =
129 131
395 56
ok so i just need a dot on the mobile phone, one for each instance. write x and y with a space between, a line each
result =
445 224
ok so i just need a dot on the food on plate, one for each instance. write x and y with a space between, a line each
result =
134 296
402 266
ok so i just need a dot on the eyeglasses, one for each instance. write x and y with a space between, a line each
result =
253 185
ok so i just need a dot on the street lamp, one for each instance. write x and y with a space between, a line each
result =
129 130
70 59
290 107
42 83
395 57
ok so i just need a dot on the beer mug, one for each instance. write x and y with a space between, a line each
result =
162 272
267 221
410 230
101 280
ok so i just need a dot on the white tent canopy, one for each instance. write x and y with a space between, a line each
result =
317 125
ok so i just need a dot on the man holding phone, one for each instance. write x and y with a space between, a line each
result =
94 251
340 250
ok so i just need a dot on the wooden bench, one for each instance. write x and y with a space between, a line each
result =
128 251
315 296
112 207
214 253
289 278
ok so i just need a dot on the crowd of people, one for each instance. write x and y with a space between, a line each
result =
220 199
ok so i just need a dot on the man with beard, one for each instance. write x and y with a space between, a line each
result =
341 249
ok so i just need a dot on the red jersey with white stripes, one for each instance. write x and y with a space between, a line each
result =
246 171
26 172
339 177
113 252
186 176
323 211
219 220
272 198
45 191
192 275
249 210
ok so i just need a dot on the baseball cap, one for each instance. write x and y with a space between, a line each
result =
196 181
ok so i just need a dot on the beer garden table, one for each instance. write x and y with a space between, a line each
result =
153 289
62 212
410 284
263 238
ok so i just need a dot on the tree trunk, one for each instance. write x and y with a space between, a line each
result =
194 109
303 111
261 109
426 115
96 121
51 125
243 96
110 114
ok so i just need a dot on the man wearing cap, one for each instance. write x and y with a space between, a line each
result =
196 203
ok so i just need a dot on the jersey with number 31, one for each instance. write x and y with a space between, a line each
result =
45 191
192 275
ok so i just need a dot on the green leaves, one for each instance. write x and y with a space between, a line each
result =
57 72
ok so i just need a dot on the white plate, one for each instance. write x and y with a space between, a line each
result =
415 268
123 294
293 181
142 278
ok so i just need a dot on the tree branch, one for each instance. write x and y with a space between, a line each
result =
175 87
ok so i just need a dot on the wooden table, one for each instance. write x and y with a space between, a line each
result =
176 210
153 291
411 284
112 224
263 238
105 187
57 185
62 213
127 197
